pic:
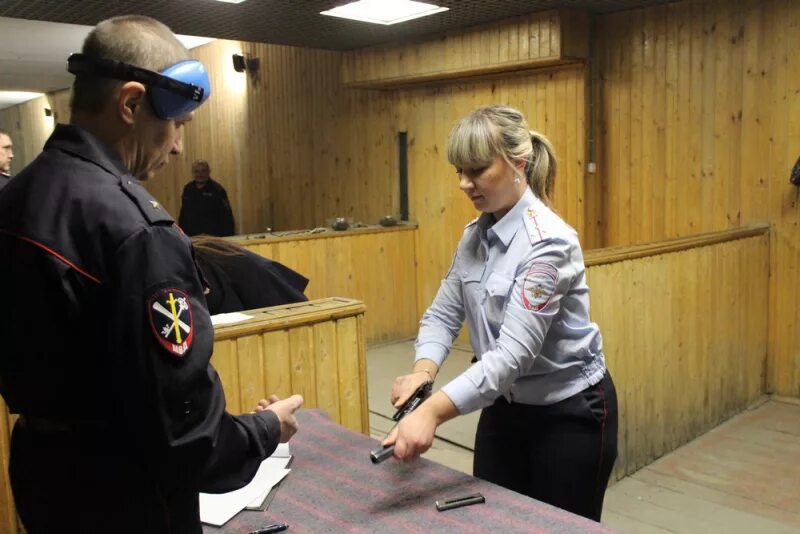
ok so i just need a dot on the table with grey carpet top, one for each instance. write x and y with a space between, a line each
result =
334 487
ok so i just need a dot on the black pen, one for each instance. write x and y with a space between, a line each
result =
277 527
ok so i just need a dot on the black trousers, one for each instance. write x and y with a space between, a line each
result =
561 454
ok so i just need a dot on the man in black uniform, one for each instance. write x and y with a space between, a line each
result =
204 205
106 335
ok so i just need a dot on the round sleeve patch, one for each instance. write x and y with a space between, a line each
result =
171 320
539 286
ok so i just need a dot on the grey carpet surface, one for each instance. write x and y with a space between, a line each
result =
334 487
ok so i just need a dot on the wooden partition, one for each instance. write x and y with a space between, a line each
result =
375 265
684 327
315 348
8 514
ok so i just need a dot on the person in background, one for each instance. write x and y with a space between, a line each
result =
6 155
106 334
204 205
241 280
548 426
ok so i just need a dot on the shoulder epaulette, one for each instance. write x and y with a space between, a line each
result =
152 210
535 228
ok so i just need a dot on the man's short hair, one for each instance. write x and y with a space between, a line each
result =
134 39
201 163
3 132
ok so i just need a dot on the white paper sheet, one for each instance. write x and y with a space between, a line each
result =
217 508
229 318
276 464
282 451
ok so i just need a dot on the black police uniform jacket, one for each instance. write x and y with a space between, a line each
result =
206 210
248 281
106 348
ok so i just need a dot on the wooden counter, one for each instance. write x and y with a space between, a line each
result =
375 265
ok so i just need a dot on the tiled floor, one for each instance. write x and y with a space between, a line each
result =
742 477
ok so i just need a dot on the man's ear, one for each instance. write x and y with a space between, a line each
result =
131 98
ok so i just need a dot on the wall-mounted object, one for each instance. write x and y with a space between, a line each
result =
242 63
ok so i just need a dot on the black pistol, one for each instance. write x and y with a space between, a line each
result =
422 393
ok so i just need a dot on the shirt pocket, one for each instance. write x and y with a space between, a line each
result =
471 288
498 287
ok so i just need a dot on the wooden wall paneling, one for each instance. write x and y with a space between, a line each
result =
679 369
326 363
251 372
643 112
784 137
375 266
677 83
720 24
8 515
277 363
349 368
708 91
226 361
540 39
628 136
302 355
714 94
691 212
754 181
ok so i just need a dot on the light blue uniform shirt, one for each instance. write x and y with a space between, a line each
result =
521 284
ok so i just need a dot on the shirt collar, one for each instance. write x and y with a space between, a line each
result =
507 227
81 143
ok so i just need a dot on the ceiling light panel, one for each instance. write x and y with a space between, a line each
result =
384 11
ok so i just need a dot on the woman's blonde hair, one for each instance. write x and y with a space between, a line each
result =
491 131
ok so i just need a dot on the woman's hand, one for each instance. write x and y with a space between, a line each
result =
405 386
413 435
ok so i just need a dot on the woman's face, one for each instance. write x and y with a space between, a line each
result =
492 188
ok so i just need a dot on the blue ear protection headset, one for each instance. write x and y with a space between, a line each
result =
174 92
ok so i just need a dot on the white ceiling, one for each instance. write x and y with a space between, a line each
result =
33 56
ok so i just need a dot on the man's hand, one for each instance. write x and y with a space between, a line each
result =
284 409
263 404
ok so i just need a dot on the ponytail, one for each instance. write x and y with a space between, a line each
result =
540 170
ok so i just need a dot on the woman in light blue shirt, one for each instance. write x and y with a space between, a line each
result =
548 428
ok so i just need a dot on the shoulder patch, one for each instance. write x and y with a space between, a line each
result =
152 210
170 314
533 226
539 286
